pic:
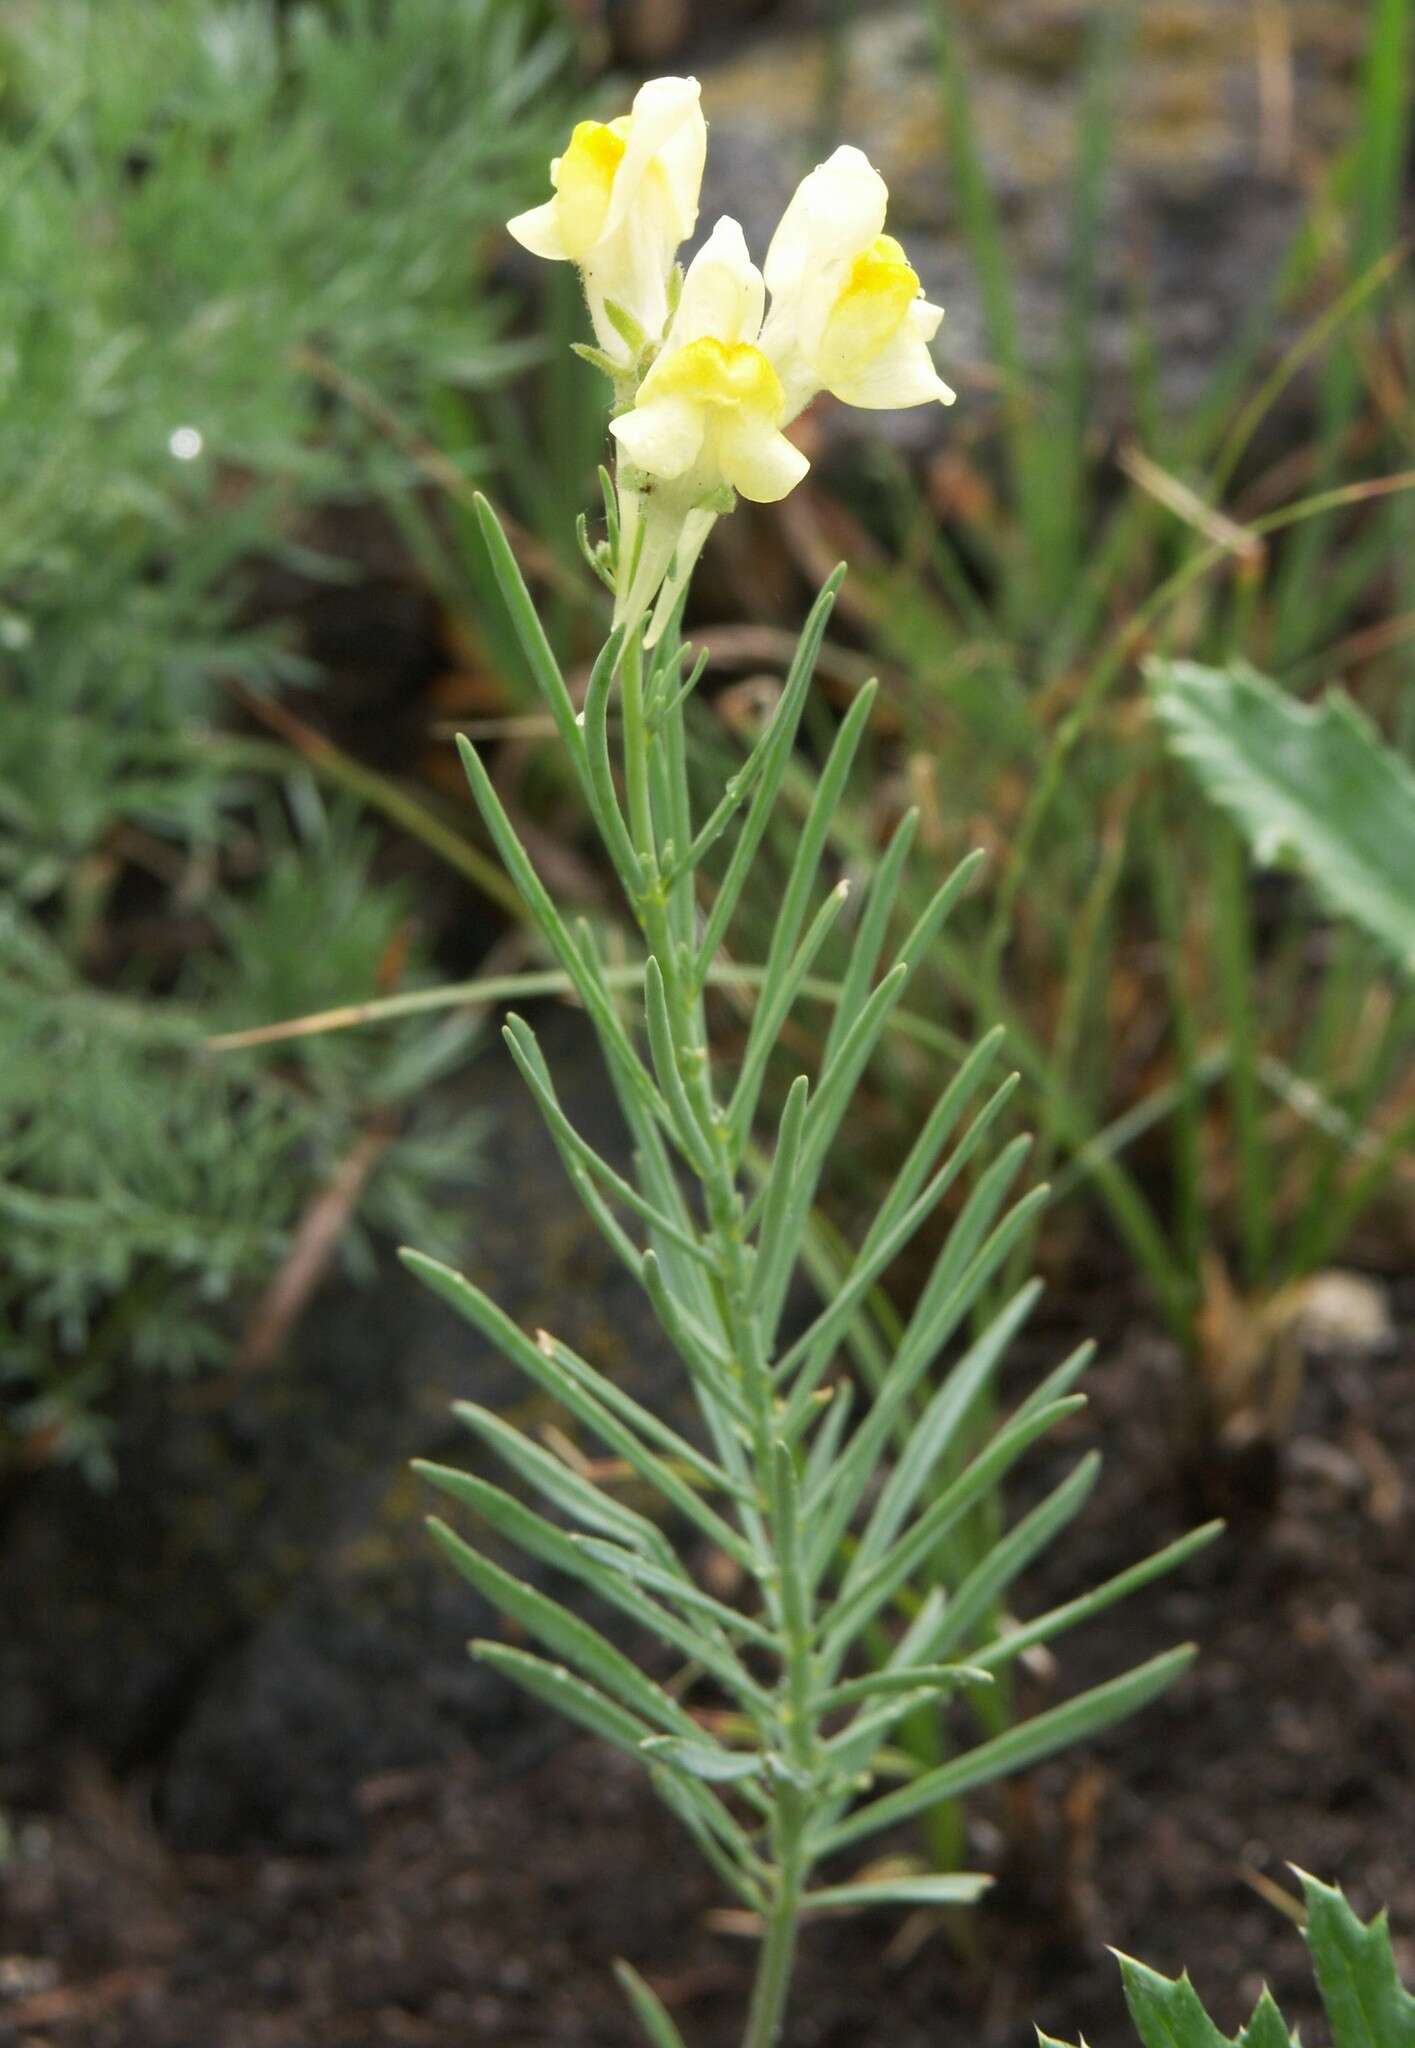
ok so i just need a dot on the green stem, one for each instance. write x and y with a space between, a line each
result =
656 784
778 1950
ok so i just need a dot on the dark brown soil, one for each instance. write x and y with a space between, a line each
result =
489 1897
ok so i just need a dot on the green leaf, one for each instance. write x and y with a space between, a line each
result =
1363 1995
1072 1613
1366 2004
1018 1748
701 1760
1167 2012
562 1632
672 1586
540 657
954 1888
568 1695
575 1496
861 1597
1314 789
904 1678
551 1545
649 2009
776 757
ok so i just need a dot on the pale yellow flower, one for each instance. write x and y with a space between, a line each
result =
848 314
709 412
625 196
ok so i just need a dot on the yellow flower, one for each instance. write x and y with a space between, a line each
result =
709 412
706 422
625 195
847 312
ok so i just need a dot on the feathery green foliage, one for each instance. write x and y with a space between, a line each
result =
217 220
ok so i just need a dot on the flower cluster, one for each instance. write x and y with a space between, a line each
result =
710 367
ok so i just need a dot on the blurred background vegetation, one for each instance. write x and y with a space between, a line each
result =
262 333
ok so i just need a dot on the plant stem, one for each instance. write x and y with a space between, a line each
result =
655 777
778 1950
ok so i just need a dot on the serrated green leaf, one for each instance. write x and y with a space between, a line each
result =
1167 2012
1312 788
1366 2003
1267 2028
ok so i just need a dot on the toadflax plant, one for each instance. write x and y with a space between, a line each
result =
837 1522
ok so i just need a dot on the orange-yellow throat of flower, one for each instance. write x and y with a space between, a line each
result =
881 287
584 180
721 373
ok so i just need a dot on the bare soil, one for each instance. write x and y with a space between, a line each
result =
491 1888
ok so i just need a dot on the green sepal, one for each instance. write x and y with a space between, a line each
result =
628 329
598 359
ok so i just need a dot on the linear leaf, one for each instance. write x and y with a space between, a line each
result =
868 941
525 1050
777 755
529 631
540 1539
635 1566
904 1678
932 1888
993 1574
1057 1620
714 1766
649 2010
937 1427
554 1480
562 1633
868 1593
1018 1748
568 1695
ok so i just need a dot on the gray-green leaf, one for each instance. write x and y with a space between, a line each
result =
1312 788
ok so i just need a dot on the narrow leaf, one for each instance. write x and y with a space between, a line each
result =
562 1633
649 2009
935 1888
568 1695
1018 1748
714 1766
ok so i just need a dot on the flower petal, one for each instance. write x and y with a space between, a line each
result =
835 211
660 435
723 293
902 373
666 127
755 459
539 231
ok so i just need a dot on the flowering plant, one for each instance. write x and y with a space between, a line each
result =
770 1743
